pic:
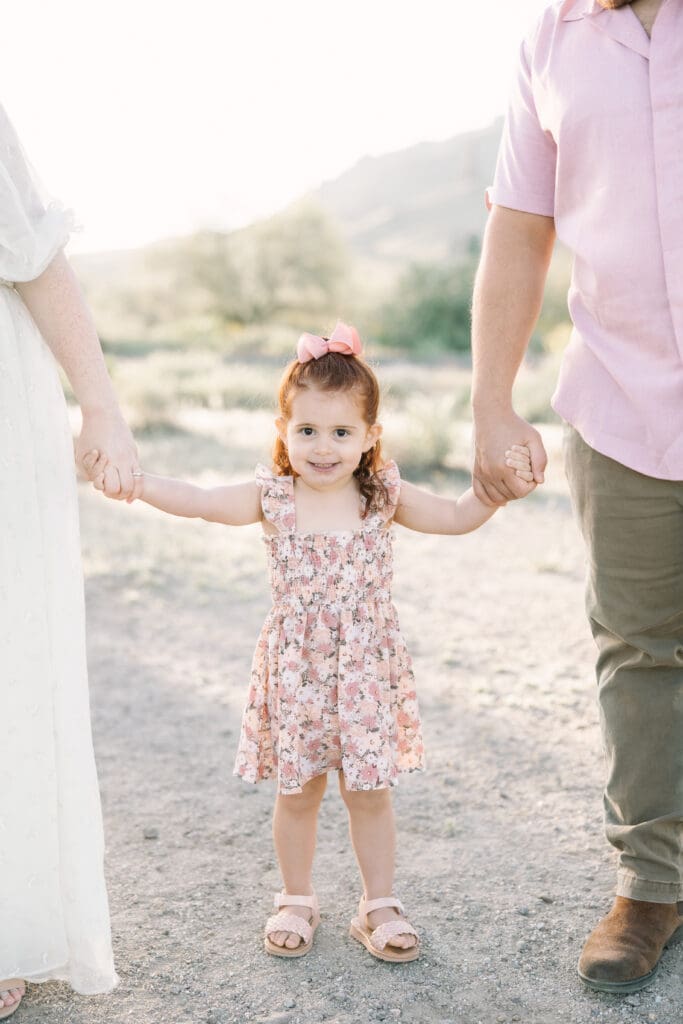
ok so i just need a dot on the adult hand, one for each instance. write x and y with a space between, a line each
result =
108 432
493 481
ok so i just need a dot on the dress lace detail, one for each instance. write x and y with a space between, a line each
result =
332 685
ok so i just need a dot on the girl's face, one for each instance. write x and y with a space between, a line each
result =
326 435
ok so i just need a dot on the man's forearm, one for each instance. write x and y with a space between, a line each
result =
56 303
507 299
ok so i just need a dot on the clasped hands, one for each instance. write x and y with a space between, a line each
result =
107 454
505 471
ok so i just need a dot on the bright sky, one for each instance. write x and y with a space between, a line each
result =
152 118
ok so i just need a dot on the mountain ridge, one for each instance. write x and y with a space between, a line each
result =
419 204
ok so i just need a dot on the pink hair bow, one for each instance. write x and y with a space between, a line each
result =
343 339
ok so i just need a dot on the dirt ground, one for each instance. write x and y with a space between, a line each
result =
501 859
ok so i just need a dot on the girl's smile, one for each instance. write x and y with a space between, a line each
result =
326 435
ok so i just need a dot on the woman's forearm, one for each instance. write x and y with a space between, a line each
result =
56 303
61 314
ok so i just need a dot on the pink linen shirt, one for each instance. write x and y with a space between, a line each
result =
594 138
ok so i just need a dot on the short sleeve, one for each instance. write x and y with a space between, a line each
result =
527 158
32 228
391 478
277 499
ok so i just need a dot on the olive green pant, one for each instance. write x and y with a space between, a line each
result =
633 528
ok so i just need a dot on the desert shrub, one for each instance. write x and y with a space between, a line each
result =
429 310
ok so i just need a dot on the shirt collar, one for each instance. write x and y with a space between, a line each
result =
574 10
620 24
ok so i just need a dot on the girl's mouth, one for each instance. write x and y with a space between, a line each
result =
323 467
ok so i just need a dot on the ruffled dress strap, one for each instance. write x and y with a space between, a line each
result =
391 478
277 499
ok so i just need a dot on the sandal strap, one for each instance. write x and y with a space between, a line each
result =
284 922
367 906
284 899
382 934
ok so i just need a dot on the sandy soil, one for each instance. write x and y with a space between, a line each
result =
501 861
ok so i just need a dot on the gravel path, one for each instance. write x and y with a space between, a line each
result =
501 859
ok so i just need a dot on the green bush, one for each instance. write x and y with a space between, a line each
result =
430 308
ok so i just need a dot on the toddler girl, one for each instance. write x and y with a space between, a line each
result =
332 686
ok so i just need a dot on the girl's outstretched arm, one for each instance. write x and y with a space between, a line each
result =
231 504
429 513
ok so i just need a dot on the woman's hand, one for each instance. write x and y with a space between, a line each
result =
95 464
108 433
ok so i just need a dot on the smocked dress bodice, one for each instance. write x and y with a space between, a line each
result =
336 569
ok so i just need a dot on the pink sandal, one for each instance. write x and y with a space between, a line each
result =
286 922
375 941
5 986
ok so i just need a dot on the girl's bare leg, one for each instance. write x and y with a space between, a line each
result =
294 832
373 834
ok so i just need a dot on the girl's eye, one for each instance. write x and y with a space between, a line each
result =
341 432
307 431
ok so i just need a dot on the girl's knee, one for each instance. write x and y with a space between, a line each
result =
310 796
370 800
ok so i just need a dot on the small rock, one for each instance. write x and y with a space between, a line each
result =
289 1004
149 832
524 911
546 899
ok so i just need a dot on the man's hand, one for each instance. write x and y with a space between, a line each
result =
493 481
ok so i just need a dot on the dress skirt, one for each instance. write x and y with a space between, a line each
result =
54 917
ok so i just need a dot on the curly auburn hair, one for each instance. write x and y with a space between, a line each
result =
337 372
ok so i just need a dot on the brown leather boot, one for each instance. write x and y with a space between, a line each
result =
622 954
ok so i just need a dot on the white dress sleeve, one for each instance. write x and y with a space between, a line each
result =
33 228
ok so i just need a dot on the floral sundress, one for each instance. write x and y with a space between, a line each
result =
332 685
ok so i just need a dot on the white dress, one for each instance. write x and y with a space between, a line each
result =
54 917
